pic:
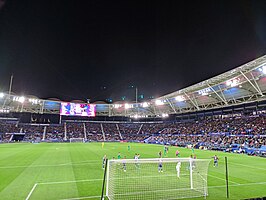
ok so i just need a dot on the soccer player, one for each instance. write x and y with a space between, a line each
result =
102 144
136 160
165 150
192 149
190 162
215 161
128 147
119 155
177 154
160 154
104 161
124 166
160 165
178 167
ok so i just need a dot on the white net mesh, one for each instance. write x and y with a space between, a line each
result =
76 140
156 178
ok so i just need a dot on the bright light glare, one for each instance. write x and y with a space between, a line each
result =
159 102
263 69
179 98
232 83
165 115
2 95
21 99
117 105
145 105
127 106
34 101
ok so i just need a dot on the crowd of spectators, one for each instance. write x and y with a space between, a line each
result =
94 132
211 133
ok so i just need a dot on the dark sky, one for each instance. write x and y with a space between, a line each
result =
75 49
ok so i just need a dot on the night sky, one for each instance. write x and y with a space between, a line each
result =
75 49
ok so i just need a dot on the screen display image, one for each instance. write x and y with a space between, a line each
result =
76 109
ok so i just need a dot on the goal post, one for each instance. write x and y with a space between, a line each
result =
156 178
72 140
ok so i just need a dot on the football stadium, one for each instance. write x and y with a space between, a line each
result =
205 141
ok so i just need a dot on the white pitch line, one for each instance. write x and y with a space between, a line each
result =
216 186
247 166
244 184
223 179
74 181
57 165
77 198
33 188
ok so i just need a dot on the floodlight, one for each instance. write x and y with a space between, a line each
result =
232 83
179 98
2 95
117 105
228 83
136 116
263 69
145 104
159 102
127 106
21 99
165 115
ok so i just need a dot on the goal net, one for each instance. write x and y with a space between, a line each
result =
76 140
160 178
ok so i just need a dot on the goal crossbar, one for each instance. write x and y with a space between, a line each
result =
156 178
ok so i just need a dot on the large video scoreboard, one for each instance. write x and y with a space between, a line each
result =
77 109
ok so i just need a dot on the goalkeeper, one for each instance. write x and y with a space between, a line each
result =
178 167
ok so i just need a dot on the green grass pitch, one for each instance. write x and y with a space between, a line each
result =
74 170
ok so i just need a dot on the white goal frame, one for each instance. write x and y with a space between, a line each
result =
72 140
119 175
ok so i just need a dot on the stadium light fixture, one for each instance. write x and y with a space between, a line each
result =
34 101
127 106
117 105
180 98
2 95
136 116
232 83
204 92
4 110
145 104
159 102
21 99
165 115
263 69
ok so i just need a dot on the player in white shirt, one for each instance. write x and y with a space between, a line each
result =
178 167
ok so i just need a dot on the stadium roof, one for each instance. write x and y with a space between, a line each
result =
244 84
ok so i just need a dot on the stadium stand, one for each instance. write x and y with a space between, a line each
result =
241 134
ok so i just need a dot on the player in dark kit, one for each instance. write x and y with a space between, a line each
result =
124 166
160 165
104 161
215 161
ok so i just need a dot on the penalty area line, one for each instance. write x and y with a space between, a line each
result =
77 198
32 189
209 187
74 181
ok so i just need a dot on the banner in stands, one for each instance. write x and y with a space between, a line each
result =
76 109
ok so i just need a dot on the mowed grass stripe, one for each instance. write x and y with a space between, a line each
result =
18 155
56 154
21 185
73 156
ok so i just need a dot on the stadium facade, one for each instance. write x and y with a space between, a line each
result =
240 86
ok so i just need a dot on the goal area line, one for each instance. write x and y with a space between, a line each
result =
89 180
